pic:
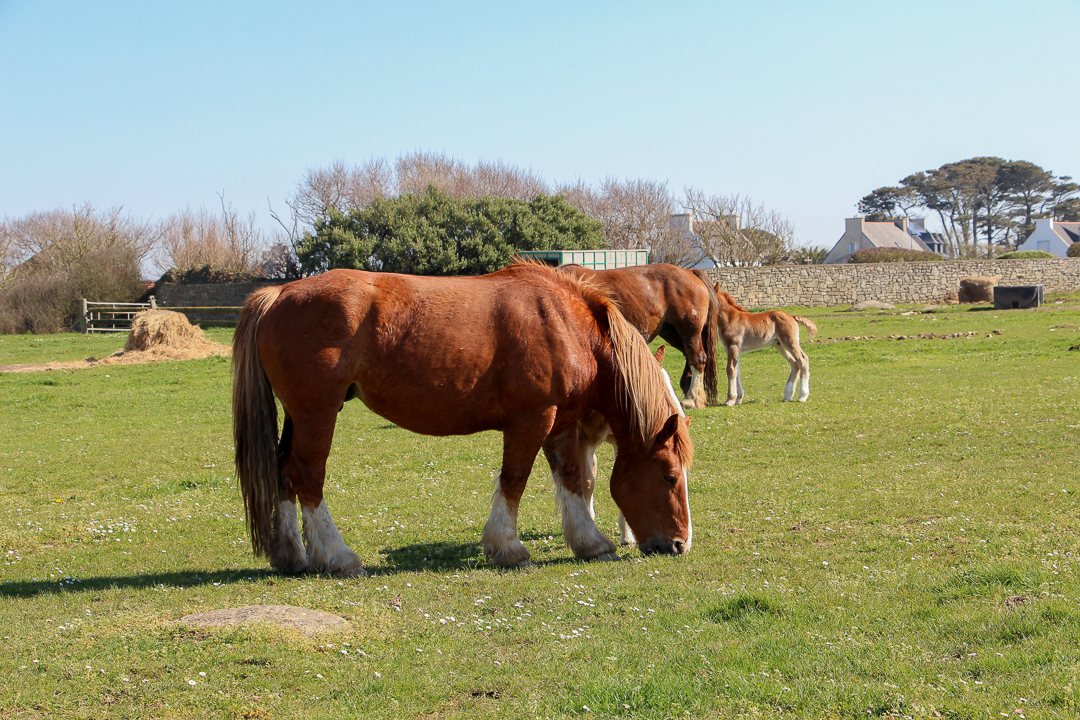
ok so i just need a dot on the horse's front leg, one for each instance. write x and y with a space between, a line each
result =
572 458
520 445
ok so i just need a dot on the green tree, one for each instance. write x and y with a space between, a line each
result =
433 233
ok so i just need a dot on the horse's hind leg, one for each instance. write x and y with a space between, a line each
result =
286 552
804 373
305 468
793 377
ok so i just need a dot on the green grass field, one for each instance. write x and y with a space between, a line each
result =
903 544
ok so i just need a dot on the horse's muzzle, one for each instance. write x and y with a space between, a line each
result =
661 546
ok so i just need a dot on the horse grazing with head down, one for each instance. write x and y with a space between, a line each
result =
678 305
526 350
743 331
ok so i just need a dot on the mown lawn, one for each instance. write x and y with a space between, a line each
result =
903 544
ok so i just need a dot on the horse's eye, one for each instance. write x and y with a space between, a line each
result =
672 479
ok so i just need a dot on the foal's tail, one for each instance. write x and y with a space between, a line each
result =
255 423
710 338
807 323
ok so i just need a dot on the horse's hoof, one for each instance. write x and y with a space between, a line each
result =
352 572
729 403
606 557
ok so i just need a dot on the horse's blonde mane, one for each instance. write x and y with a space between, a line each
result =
645 391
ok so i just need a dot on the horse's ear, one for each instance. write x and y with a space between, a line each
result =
668 431
659 354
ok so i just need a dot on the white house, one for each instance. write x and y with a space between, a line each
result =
1052 236
860 235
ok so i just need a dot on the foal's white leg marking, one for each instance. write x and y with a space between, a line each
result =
500 538
804 390
738 384
287 552
326 551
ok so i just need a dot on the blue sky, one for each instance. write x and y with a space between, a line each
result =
804 107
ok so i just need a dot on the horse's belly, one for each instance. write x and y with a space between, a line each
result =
429 412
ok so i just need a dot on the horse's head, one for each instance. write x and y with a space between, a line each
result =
649 485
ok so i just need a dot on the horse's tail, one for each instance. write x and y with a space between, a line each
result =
255 430
711 337
807 323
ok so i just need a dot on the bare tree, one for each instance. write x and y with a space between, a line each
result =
732 230
339 187
635 214
191 239
57 240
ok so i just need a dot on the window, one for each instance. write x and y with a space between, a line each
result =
1044 245
852 247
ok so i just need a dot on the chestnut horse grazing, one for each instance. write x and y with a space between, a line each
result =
743 331
526 350
678 305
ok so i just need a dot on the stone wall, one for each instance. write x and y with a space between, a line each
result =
915 282
208 295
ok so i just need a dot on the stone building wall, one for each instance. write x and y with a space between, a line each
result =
908 282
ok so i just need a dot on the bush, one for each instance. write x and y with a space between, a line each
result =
1025 255
881 255
1074 250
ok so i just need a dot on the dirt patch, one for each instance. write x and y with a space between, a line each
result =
300 619
156 336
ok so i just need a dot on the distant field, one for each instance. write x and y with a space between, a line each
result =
903 544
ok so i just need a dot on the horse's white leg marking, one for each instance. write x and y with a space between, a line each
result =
578 523
287 553
695 394
500 538
326 550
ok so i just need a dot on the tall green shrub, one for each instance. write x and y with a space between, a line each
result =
435 234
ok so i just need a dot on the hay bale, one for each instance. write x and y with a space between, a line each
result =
978 288
161 335
155 328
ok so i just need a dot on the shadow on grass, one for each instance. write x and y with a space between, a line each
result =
450 556
134 582
421 557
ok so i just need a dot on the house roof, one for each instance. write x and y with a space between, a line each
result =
886 234
1068 231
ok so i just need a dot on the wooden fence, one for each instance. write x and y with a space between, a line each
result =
116 317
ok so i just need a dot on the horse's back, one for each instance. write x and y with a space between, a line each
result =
436 355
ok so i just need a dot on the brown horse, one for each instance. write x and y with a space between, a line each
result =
743 331
527 350
678 305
